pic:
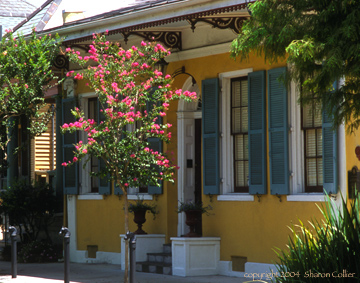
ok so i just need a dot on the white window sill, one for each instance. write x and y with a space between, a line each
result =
306 197
140 196
235 197
90 197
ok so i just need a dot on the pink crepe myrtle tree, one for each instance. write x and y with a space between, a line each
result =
134 97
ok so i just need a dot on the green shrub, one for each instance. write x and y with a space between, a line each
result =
30 208
37 251
328 251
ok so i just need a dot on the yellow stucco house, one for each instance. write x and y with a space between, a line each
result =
247 148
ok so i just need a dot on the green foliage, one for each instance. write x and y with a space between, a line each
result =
322 252
186 206
39 251
320 41
140 205
29 207
26 71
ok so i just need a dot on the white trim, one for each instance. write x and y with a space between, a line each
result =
93 196
140 196
235 197
226 142
306 197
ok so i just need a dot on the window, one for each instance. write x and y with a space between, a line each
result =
94 162
313 159
239 132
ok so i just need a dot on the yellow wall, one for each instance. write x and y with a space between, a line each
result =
250 229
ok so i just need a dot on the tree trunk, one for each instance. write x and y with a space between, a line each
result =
126 211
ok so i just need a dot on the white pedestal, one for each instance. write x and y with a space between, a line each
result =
148 243
195 256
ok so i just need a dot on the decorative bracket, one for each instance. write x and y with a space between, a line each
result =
170 39
61 62
233 23
258 196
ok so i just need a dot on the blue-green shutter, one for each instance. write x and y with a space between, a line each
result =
210 134
156 145
330 160
70 173
257 133
278 133
104 184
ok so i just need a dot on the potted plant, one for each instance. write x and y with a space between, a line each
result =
193 211
139 208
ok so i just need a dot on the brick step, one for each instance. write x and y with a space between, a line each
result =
154 267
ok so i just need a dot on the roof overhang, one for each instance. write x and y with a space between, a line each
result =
174 13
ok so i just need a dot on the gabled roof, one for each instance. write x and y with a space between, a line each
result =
13 12
38 18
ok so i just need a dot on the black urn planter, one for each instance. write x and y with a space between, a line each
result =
139 219
193 217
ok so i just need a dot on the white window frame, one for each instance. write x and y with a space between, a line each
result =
226 140
296 152
85 191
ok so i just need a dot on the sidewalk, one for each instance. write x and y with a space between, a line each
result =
96 273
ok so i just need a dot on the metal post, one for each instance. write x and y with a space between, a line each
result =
12 230
66 234
131 237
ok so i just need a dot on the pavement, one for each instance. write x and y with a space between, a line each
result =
97 273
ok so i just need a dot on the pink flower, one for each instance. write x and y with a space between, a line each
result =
65 126
147 149
26 86
132 155
64 164
84 151
75 159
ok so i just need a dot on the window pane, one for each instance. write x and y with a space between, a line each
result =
239 147
240 174
244 93
317 115
311 172
244 120
307 116
236 98
319 141
320 171
310 143
246 141
236 120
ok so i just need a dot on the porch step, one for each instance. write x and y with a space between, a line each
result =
160 263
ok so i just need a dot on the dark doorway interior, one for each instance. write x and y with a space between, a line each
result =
198 228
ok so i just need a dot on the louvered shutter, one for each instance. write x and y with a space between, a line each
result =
330 178
210 133
257 134
70 173
278 133
104 184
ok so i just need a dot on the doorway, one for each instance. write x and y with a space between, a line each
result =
189 154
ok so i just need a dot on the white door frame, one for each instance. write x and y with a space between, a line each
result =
186 115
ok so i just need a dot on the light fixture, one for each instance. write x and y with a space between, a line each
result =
181 71
161 65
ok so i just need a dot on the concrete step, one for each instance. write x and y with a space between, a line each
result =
160 257
167 248
154 267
